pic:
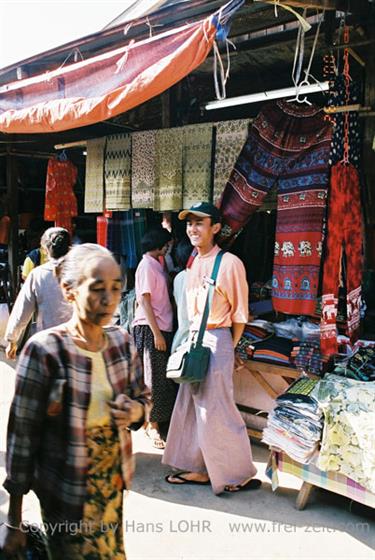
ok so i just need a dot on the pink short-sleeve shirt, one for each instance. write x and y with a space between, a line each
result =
230 303
150 278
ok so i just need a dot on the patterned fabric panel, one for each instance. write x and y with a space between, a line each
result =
143 169
230 138
117 172
94 182
197 163
168 180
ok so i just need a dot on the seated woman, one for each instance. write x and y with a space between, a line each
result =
41 293
79 390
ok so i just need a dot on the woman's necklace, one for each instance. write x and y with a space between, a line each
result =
86 345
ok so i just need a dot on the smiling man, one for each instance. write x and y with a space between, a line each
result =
207 438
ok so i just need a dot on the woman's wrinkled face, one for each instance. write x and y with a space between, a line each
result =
97 296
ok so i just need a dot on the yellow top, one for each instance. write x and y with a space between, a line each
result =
28 264
98 413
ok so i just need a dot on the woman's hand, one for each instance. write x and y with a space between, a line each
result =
14 541
11 350
159 342
125 411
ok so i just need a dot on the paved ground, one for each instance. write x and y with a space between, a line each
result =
163 522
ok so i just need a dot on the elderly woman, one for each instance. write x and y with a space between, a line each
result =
79 390
40 293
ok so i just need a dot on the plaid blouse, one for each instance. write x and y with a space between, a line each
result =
46 446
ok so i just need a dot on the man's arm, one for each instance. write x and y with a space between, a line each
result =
237 330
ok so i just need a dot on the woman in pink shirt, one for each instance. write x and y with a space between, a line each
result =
153 326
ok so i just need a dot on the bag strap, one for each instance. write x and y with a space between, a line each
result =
210 295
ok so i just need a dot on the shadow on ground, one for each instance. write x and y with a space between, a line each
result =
325 511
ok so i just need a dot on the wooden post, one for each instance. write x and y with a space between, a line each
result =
368 161
165 109
12 192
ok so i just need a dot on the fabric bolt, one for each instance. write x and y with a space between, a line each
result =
230 138
168 172
288 145
60 200
143 168
100 533
57 474
197 153
117 172
40 293
205 418
94 179
344 233
337 98
163 390
348 440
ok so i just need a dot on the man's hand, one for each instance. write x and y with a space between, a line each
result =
125 411
238 362
11 350
159 342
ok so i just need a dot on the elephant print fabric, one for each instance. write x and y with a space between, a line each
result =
288 146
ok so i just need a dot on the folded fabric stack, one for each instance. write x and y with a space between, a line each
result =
360 366
295 425
275 350
309 358
255 331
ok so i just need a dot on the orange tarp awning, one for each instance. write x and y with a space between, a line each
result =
106 85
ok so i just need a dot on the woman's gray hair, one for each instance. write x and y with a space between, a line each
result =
70 269
56 241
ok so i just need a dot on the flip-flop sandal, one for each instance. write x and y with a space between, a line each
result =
158 442
184 480
252 484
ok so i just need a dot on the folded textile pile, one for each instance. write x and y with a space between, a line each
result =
308 357
275 350
295 425
255 331
360 366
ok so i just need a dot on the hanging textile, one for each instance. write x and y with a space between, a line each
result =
197 153
230 138
168 172
143 169
125 230
339 96
133 227
101 230
288 145
94 180
60 200
344 234
117 172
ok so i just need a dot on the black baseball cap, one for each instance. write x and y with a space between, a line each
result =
202 210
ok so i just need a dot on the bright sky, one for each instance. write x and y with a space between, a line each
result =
29 27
